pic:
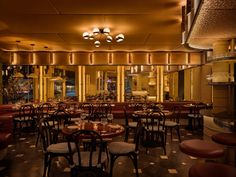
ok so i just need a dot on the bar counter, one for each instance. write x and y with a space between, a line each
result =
219 122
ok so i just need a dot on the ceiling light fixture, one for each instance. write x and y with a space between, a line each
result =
98 34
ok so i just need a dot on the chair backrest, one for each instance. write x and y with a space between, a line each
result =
26 111
155 121
61 106
176 113
104 108
89 145
60 118
126 116
45 107
89 107
74 106
43 110
49 135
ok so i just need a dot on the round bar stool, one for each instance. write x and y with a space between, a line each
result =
228 139
201 148
210 169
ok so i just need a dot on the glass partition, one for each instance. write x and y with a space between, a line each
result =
70 84
140 83
101 83
86 83
17 83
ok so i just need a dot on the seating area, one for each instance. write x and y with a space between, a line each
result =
142 133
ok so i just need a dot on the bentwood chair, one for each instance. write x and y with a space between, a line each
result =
129 125
42 112
117 149
102 111
62 106
89 108
25 119
60 118
51 148
173 123
154 131
89 158
195 117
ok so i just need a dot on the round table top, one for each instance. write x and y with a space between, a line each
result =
201 148
107 130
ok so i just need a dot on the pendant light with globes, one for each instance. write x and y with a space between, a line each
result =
98 33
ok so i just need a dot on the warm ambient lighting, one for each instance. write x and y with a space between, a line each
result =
97 34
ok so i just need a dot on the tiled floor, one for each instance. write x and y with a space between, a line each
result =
25 159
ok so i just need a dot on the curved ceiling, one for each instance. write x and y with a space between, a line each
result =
58 25
216 20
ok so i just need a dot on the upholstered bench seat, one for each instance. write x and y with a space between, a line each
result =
228 139
201 148
212 170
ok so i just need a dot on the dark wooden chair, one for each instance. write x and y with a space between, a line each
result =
117 149
129 125
154 132
51 148
90 157
25 119
173 123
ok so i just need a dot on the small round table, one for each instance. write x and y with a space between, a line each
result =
107 130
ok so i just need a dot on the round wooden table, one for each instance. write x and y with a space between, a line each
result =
106 130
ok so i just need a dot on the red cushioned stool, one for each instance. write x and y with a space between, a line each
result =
201 148
212 170
228 139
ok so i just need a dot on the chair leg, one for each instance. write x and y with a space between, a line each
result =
166 130
45 165
49 165
126 134
38 136
178 133
171 134
135 162
163 143
112 160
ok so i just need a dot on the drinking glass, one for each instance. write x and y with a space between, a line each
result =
110 118
104 120
83 116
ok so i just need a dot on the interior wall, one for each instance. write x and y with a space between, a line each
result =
196 83
91 88
181 85
187 84
174 85
206 88
1 101
222 89
196 87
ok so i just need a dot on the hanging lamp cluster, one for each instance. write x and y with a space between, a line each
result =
98 33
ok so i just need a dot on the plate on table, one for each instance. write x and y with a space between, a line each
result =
73 127
114 126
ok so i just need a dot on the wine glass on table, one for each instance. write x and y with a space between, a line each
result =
109 118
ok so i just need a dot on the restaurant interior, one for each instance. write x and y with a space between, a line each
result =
124 88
